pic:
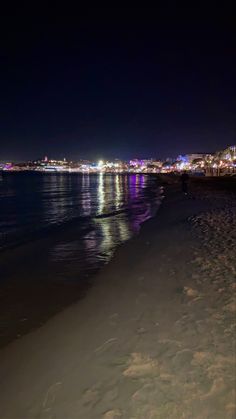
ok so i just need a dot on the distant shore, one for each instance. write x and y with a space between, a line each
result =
155 335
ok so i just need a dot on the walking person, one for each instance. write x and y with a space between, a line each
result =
184 180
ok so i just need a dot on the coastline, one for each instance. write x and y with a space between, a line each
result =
153 338
35 286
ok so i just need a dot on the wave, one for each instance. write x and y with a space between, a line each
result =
112 213
71 227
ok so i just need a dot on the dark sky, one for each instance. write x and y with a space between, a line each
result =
106 83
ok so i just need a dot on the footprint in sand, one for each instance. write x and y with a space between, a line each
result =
182 360
190 292
141 365
110 395
201 358
231 410
90 396
218 387
168 347
113 414
150 394
231 307
51 395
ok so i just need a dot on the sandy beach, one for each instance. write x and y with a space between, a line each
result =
154 337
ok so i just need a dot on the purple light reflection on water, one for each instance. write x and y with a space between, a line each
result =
81 219
127 194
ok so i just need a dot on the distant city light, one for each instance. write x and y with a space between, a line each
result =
219 163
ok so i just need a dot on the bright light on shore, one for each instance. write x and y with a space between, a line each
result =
100 163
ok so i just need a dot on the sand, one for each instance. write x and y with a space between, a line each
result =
153 338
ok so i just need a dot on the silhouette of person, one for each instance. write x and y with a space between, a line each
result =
184 180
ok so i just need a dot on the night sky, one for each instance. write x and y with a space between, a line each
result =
123 83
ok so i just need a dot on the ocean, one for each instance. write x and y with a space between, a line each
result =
76 220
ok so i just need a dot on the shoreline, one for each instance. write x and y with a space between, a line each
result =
153 338
56 229
32 292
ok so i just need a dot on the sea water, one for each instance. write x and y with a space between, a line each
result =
71 224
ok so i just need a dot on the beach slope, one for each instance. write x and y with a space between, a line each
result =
154 336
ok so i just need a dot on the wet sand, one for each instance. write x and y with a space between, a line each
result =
153 338
26 304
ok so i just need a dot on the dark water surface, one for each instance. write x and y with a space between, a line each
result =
72 222
57 230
